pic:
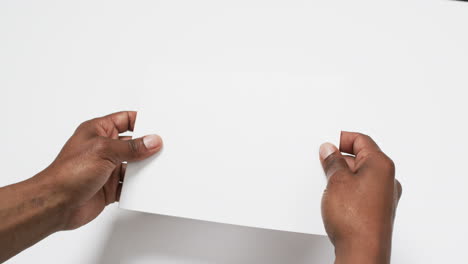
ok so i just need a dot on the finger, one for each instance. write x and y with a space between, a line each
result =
123 169
110 188
132 150
355 143
397 195
122 121
119 191
125 137
332 161
398 188
115 183
350 161
110 125
367 152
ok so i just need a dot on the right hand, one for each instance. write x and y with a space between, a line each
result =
360 200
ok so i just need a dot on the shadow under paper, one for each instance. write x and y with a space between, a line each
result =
147 238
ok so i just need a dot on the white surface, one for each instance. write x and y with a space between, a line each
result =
404 65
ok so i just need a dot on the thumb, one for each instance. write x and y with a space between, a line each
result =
332 160
135 149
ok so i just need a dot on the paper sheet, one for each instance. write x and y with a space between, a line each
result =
242 151
242 112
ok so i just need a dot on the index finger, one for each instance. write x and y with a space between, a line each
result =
355 143
123 121
110 125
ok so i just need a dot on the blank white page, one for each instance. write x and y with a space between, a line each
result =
242 101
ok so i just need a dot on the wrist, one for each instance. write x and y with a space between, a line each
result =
365 250
52 199
29 212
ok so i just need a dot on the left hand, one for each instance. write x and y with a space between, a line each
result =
88 172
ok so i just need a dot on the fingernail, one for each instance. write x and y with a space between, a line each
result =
152 141
326 149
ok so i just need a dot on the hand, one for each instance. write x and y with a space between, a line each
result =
360 200
75 188
88 172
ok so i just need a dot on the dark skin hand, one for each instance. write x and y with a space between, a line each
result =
360 200
358 205
83 179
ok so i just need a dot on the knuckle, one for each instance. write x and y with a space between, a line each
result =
133 146
399 188
100 151
336 169
331 162
103 151
87 125
101 145
382 161
388 163
337 178
362 136
84 125
365 154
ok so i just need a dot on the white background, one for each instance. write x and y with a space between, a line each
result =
404 64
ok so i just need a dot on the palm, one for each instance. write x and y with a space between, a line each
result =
106 195
87 212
